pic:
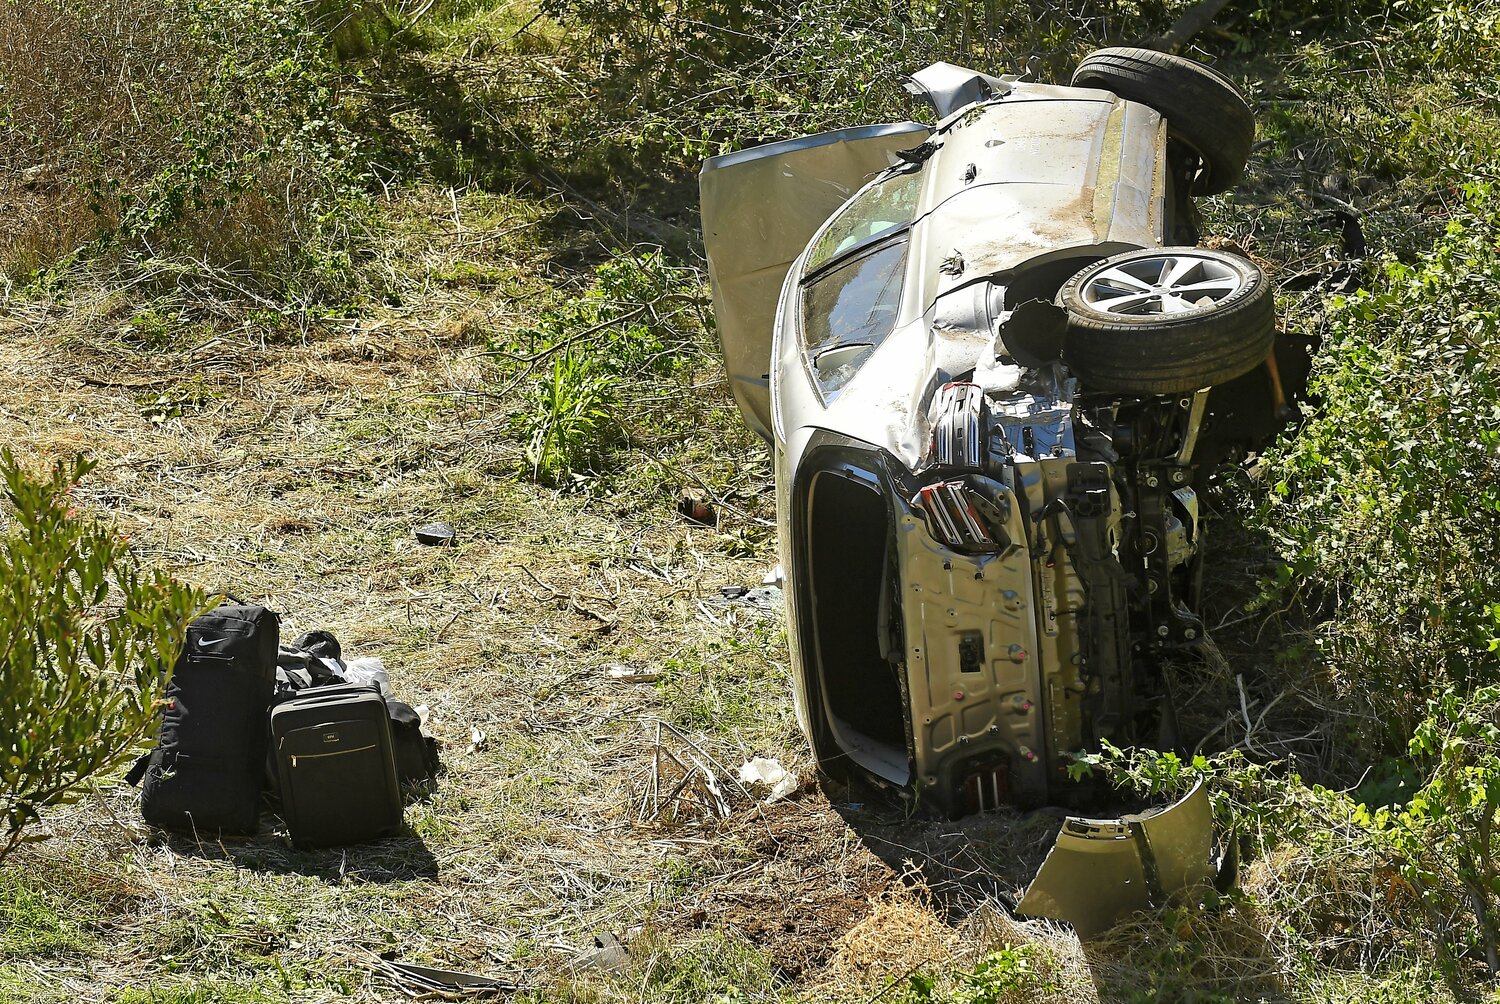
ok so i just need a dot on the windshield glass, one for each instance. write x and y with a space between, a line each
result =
883 207
853 304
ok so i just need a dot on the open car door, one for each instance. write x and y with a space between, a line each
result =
760 207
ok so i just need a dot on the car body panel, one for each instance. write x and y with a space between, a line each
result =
1101 870
1024 208
1044 172
760 207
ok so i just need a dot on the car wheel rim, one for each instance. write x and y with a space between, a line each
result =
1162 284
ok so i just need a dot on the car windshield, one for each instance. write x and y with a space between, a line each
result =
883 207
851 290
848 310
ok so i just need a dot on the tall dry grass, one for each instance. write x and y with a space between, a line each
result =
202 131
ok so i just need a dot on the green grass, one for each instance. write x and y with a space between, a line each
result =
40 919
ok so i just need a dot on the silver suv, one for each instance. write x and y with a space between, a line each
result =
995 372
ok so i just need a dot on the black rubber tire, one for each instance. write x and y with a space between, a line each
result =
1202 107
1169 353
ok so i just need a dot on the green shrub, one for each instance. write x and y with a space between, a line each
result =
1437 853
674 82
1018 973
639 320
89 634
1386 503
568 424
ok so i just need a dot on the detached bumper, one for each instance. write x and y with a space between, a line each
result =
1100 870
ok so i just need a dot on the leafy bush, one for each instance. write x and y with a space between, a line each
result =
1436 853
198 132
89 634
1018 973
1387 501
1444 839
674 82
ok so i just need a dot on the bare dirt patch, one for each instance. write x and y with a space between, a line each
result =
808 881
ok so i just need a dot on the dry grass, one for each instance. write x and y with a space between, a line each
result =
167 131
292 468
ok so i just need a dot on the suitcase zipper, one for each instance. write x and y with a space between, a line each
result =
315 756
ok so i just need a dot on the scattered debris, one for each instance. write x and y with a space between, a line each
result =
768 772
608 953
631 674
766 598
425 983
680 785
436 535
698 511
1103 869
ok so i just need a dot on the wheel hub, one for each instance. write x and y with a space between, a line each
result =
1164 284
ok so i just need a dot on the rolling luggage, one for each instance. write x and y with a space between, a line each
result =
336 766
205 774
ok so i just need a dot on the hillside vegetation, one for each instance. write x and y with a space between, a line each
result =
301 275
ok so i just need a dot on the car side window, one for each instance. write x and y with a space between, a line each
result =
851 290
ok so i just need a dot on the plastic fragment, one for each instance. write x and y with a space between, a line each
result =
769 773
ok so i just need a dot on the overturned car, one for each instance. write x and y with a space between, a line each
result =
996 373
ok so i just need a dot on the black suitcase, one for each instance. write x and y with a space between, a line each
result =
206 772
336 766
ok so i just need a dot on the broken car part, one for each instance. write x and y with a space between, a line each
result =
1101 870
426 982
436 535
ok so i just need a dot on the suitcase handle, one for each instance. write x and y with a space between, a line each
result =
313 696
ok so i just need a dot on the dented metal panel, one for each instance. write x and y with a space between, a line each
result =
1101 870
760 207
948 88
1036 176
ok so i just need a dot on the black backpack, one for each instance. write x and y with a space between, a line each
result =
205 774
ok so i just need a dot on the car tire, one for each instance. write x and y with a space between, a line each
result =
1202 107
1166 320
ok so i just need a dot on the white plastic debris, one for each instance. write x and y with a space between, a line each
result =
368 669
631 674
768 772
